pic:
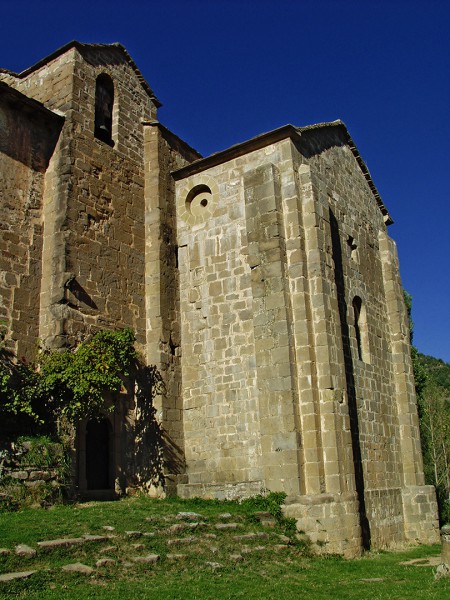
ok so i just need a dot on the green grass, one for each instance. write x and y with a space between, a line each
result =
281 574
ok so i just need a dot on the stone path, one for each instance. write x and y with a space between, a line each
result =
190 523
198 540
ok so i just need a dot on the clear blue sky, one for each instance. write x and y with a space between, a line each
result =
226 70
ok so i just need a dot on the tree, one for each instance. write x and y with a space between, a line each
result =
433 398
434 410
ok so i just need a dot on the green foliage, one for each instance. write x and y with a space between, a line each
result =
434 410
419 371
408 303
75 382
34 453
286 573
71 384
271 503
19 497
42 451
432 383
438 370
17 386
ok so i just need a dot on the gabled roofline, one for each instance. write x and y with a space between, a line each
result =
276 135
80 46
351 144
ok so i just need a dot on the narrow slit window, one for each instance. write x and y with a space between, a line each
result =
361 331
104 105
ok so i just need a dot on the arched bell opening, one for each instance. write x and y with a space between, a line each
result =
104 108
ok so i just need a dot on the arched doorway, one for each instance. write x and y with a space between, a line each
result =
98 455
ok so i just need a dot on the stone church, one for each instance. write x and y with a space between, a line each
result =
260 281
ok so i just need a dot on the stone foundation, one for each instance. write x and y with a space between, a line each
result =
420 514
329 520
385 515
221 491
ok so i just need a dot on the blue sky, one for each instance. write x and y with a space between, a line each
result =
226 71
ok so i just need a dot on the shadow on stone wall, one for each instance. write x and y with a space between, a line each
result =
155 454
350 380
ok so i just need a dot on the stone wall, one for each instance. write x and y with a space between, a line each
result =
261 284
28 134
284 299
94 209
348 221
93 251
31 472
220 398
164 152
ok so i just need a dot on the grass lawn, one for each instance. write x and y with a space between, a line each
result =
213 562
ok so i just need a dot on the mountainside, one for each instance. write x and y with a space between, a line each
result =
437 370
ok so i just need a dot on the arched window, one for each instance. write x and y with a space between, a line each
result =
361 331
104 104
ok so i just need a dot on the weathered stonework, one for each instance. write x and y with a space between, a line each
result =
262 285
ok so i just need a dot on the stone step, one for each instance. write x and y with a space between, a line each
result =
69 542
250 536
19 575
24 550
190 516
105 562
150 558
181 541
60 543
227 525
187 522
78 568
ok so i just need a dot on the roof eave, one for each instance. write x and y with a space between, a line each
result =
276 135
235 151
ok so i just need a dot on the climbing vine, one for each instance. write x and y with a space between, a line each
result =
17 385
71 384
75 382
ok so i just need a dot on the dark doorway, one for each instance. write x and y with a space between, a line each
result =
98 455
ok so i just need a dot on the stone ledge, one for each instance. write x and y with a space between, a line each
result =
225 491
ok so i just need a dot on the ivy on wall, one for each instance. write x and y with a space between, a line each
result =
70 384
17 385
